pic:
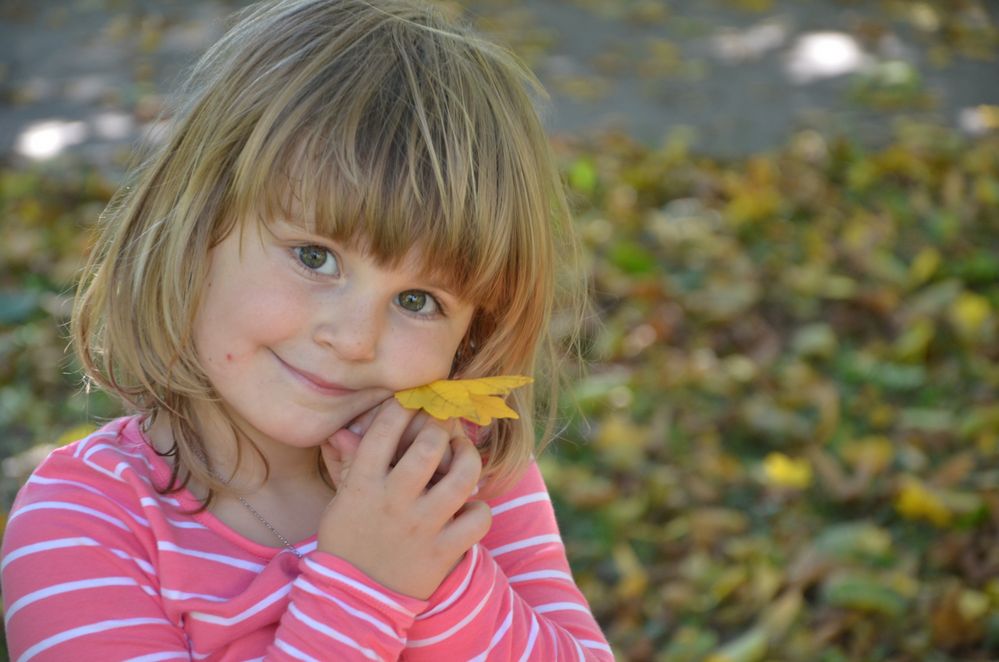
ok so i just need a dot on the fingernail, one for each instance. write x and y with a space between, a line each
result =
475 491
356 429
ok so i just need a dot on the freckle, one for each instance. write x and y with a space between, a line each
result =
228 357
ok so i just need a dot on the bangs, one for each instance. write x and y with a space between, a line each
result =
394 143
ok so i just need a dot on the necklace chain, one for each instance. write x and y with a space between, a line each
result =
147 423
270 527
252 510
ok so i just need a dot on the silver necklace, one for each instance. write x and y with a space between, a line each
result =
270 527
251 509
147 423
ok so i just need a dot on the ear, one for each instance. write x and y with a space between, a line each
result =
464 354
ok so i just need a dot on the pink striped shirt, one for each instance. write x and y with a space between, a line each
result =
98 566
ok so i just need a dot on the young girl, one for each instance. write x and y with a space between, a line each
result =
356 198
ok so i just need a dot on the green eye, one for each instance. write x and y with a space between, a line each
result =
416 301
318 259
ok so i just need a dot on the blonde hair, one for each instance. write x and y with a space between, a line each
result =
394 127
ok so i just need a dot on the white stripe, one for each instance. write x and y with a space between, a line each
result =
101 470
161 499
561 606
381 597
498 635
294 652
142 563
91 437
459 591
520 501
418 643
579 651
42 480
165 655
589 643
165 546
84 630
60 505
184 595
65 587
380 625
527 542
541 574
58 543
118 451
93 490
181 524
245 614
61 543
554 639
531 639
335 635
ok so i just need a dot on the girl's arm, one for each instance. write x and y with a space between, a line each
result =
78 580
513 596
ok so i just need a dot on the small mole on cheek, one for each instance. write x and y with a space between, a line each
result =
228 357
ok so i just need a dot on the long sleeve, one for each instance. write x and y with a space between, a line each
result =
77 582
513 596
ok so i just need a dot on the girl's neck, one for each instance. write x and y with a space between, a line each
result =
288 468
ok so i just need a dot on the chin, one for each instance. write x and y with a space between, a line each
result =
298 434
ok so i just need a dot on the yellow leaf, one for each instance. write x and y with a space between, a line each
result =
488 407
873 453
784 471
969 314
916 501
634 579
924 265
476 400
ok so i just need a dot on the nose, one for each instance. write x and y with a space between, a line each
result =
352 330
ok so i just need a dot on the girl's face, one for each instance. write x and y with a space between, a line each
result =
300 335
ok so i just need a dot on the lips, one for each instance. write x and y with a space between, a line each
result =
314 381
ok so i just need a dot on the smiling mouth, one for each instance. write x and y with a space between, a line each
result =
312 381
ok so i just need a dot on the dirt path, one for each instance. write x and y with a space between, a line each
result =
85 76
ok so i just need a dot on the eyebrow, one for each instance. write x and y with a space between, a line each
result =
429 277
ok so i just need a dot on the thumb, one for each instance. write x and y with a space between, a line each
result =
338 454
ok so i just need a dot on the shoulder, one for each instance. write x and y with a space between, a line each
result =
523 498
526 482
99 482
112 457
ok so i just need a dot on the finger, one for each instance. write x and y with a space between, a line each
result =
414 428
361 424
470 525
414 470
378 444
359 403
338 454
459 483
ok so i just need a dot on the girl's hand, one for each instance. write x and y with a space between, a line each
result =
344 443
389 521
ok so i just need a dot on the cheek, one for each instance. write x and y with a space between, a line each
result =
239 319
419 358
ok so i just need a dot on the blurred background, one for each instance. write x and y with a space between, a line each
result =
786 446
